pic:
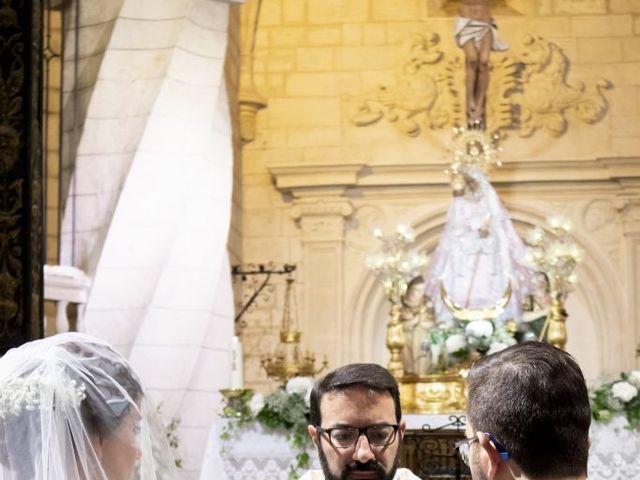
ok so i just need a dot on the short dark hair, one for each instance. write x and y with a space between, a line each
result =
533 398
364 375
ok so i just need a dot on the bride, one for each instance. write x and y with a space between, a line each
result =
71 408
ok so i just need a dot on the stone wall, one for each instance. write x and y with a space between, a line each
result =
315 183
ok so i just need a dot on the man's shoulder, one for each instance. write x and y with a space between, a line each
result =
405 474
401 474
312 475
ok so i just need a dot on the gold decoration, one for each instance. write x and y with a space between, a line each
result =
556 255
433 394
287 361
236 400
470 314
394 264
395 343
529 90
556 324
474 148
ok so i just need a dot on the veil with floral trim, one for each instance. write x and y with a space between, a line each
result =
71 408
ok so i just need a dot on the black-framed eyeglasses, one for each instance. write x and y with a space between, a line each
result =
463 447
347 437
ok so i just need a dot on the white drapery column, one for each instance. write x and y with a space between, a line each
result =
152 207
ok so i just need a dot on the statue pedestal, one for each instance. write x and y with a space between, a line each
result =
433 394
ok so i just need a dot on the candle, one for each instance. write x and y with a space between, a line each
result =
237 380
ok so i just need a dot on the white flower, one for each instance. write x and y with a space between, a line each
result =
496 347
634 378
256 403
623 391
455 343
479 328
299 385
26 393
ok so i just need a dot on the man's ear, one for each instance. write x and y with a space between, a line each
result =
490 460
313 433
403 428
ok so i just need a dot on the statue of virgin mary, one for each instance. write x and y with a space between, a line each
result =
478 263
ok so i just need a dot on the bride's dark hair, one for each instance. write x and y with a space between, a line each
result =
111 390
107 390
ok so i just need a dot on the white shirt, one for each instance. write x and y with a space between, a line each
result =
401 474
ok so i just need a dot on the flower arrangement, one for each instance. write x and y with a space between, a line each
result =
451 345
287 408
620 396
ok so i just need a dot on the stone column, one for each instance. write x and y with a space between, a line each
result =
20 173
323 224
630 214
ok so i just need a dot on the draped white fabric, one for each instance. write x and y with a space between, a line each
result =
157 234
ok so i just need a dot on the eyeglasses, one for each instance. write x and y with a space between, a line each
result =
347 437
463 447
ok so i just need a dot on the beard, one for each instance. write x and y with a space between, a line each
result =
372 466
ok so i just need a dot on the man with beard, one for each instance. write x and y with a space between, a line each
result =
528 416
356 425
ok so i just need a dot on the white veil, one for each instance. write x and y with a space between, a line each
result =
71 408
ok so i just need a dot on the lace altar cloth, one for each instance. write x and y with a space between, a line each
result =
614 452
253 452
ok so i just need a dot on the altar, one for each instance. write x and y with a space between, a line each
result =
254 452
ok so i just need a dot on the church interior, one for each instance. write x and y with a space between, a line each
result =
231 185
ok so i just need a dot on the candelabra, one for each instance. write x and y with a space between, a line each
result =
394 265
287 361
556 255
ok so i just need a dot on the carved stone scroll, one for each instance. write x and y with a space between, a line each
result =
530 90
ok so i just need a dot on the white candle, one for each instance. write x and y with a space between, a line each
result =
237 380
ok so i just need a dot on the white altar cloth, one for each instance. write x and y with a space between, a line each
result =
254 452
614 452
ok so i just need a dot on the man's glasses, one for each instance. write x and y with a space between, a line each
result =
463 447
347 437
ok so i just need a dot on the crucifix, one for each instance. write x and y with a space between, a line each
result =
476 33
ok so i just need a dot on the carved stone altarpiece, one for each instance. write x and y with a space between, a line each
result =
530 90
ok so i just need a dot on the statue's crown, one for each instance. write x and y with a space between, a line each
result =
472 151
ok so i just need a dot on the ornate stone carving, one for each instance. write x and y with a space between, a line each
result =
419 99
365 217
20 173
598 214
548 100
529 90
629 209
600 219
322 220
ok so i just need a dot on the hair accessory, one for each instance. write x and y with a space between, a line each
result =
25 393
